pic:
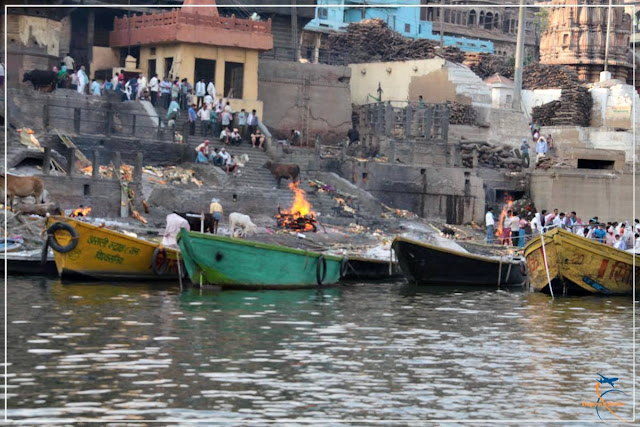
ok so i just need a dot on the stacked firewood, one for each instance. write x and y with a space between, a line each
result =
373 41
540 76
551 162
490 156
486 65
462 114
573 109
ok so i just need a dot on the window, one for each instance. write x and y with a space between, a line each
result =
204 69
565 39
323 13
233 79
152 51
151 68
472 18
496 20
488 21
407 28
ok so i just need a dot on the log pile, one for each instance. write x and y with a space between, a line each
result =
462 114
573 109
486 65
550 162
540 76
490 156
373 41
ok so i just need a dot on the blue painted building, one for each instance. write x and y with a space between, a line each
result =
404 20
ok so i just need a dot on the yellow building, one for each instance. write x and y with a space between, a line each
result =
196 43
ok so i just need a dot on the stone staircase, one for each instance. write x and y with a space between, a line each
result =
468 84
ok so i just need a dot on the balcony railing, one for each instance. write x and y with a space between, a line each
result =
159 20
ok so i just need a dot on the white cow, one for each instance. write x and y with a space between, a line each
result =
243 222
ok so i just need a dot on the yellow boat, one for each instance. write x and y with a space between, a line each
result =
578 265
83 249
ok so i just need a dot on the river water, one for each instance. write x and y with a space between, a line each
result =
357 352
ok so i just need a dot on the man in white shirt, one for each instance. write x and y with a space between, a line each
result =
205 119
142 85
211 90
515 229
558 221
200 92
619 244
154 88
83 80
489 222
224 156
536 224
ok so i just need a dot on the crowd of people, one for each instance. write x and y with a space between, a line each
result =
205 153
516 230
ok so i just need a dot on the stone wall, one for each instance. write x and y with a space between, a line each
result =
452 195
596 193
312 98
102 195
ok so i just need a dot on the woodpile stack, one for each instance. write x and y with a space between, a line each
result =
373 41
490 156
486 65
462 114
573 109
540 76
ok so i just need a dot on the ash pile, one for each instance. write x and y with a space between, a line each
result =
373 41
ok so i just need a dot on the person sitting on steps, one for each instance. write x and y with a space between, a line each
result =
257 137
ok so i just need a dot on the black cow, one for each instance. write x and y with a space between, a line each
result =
194 222
41 78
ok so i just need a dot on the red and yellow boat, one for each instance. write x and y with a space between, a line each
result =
577 265
83 249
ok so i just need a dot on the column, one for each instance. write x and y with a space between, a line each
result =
220 61
250 77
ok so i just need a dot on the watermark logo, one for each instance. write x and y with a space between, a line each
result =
606 408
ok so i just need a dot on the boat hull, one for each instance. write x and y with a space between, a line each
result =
236 263
426 264
578 265
106 254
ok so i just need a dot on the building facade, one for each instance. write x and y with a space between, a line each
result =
408 21
197 43
576 36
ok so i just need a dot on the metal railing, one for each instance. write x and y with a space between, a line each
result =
107 122
422 122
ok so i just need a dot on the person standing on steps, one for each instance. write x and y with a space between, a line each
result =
154 86
524 152
201 90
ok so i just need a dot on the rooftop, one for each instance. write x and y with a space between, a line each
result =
191 24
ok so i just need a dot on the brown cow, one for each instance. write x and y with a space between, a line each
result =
22 186
286 171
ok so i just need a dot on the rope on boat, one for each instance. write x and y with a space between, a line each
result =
546 265
500 272
506 280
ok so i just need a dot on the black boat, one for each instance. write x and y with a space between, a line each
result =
426 264
29 263
359 268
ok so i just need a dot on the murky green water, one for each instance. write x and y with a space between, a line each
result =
113 352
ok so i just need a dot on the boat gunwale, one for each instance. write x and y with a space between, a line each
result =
93 227
257 245
571 239
469 255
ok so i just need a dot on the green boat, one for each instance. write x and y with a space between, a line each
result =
237 263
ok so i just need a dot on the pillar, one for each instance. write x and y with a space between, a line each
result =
46 161
117 161
250 78
71 160
95 173
220 62
137 171
91 25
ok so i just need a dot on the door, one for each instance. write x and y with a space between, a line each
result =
233 79
205 69
151 69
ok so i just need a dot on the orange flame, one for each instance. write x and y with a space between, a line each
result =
81 212
295 217
503 215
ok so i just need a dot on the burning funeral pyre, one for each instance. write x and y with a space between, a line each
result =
300 217
80 212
